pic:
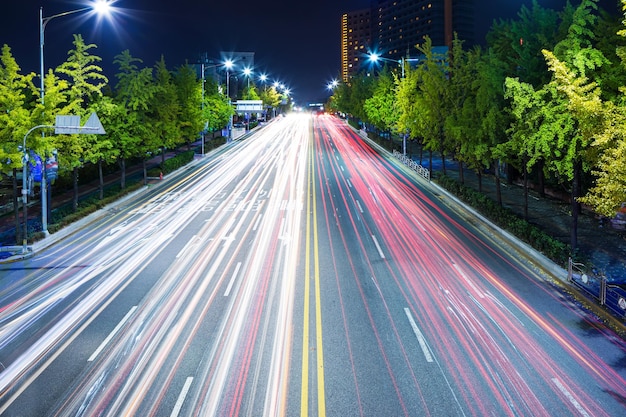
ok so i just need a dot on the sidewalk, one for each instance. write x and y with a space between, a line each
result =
9 248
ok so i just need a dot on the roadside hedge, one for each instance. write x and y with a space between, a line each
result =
506 219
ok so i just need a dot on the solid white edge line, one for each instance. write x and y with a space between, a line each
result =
380 251
112 334
419 335
359 204
232 280
570 397
181 397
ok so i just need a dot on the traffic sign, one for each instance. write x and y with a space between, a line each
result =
69 125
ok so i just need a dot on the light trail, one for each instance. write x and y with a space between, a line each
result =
494 350
302 273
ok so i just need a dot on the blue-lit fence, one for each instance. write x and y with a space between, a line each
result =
413 165
610 295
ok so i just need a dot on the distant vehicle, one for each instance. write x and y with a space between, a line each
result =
239 126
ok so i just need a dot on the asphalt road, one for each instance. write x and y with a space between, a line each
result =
297 272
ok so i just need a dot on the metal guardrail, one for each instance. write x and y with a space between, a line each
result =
611 296
413 165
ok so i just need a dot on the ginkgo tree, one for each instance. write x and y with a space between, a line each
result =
609 190
15 120
86 81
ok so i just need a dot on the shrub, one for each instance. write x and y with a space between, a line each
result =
506 219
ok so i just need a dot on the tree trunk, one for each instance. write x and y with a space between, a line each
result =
101 177
421 153
430 163
16 207
162 156
525 160
541 179
461 173
75 181
443 162
122 163
576 188
145 171
497 178
479 175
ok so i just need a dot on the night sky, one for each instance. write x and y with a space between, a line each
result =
296 42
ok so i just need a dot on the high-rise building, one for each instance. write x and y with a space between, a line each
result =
397 26
356 38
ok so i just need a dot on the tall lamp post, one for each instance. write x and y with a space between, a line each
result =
247 72
98 6
373 57
263 79
203 69
228 64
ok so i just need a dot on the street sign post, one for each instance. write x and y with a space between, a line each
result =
65 125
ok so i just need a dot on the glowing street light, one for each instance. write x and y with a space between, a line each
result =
374 57
100 7
332 85
248 72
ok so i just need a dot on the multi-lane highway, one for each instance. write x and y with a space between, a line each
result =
296 272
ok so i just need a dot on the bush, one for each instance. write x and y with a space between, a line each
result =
176 162
504 218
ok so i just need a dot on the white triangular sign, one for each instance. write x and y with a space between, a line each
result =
93 125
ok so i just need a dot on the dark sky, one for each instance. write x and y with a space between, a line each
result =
295 41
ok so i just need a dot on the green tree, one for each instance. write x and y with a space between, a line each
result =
250 93
86 81
135 91
609 189
104 150
567 130
432 101
15 120
380 108
270 97
189 92
165 115
350 97
216 111
518 43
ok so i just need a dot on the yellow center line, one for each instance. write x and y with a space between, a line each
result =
312 212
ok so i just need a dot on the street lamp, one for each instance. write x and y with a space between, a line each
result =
374 57
248 72
263 79
99 7
203 68
228 64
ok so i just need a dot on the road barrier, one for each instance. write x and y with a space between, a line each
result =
610 295
413 165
